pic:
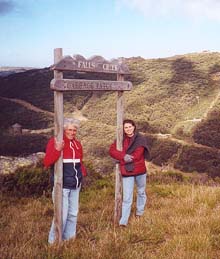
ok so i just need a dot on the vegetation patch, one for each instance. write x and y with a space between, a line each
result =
200 159
27 181
163 150
34 180
22 145
12 113
207 132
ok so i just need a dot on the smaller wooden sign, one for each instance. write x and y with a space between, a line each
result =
89 85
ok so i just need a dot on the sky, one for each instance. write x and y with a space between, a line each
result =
30 30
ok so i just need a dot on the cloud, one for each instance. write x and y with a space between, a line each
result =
6 6
202 9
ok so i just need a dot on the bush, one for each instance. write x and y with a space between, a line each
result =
207 132
92 175
22 145
26 181
144 126
198 159
163 150
34 181
167 177
12 113
98 150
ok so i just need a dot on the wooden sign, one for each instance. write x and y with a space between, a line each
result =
59 85
93 64
89 85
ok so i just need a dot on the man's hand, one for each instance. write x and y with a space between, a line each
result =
59 145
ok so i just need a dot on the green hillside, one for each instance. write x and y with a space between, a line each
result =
178 96
166 91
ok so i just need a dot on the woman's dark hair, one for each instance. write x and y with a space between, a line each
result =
130 122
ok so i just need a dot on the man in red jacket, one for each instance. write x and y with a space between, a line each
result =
73 172
133 169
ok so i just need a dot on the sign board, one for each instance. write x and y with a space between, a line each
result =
93 64
59 85
89 85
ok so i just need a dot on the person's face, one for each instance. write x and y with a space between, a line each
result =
70 131
129 129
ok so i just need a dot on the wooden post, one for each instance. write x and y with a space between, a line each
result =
118 179
58 169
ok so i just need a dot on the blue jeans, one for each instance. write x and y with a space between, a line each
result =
128 189
70 211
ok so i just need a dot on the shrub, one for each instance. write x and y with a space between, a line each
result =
12 113
98 150
34 181
22 145
167 177
144 126
92 175
200 159
163 150
207 132
26 181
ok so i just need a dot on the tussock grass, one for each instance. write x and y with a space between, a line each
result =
181 221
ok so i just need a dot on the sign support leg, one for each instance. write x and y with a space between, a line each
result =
118 178
58 169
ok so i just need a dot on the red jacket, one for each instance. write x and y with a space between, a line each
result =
134 147
73 168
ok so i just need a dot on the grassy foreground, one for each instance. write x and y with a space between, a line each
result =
181 221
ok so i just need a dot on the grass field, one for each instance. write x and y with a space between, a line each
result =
181 220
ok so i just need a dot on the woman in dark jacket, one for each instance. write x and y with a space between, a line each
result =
73 172
133 169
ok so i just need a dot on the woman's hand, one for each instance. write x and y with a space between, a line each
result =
128 158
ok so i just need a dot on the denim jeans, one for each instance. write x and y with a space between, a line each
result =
128 189
70 212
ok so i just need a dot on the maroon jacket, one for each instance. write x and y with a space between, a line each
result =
73 169
135 146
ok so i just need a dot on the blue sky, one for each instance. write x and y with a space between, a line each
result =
31 29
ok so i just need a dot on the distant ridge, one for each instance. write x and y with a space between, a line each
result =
6 70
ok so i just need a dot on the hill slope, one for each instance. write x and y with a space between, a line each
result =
177 96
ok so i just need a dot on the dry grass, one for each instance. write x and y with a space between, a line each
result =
181 221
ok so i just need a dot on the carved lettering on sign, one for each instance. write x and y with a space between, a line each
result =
89 85
94 64
86 64
110 67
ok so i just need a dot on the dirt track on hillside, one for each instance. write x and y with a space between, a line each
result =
27 105
77 114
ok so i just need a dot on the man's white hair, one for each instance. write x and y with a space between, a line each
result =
71 121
